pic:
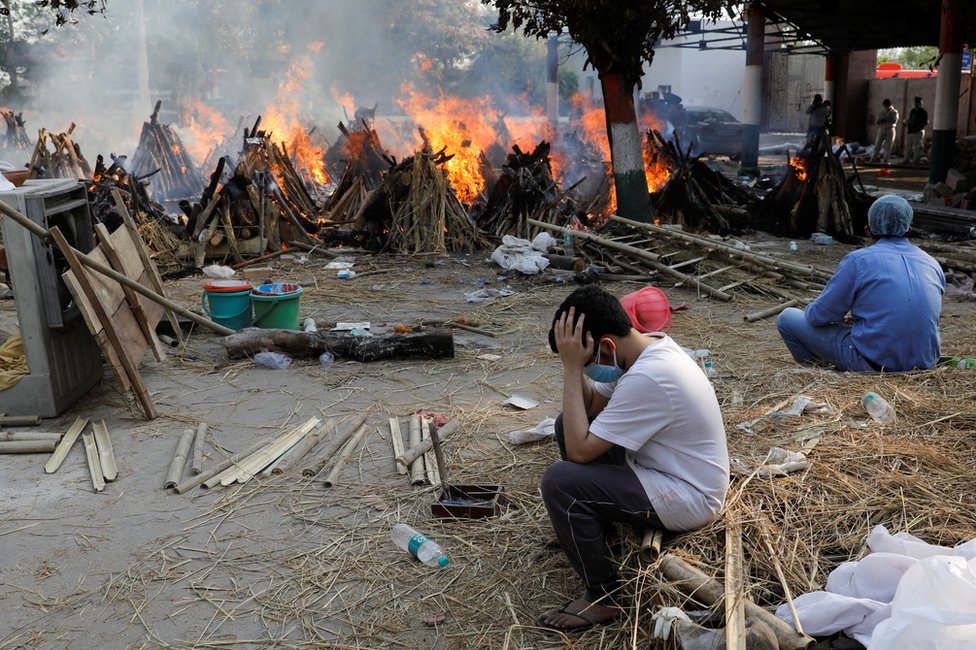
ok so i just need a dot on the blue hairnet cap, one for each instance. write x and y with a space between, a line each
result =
890 215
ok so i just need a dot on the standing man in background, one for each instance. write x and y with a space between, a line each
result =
886 131
819 112
915 125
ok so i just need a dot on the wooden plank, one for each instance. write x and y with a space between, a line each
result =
61 451
89 291
114 254
417 465
430 463
735 605
106 455
94 467
155 281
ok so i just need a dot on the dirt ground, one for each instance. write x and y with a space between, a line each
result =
284 562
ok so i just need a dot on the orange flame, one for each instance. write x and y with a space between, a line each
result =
206 127
799 167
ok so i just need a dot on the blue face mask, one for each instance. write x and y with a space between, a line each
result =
604 374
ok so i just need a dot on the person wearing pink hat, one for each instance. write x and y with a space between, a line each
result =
641 439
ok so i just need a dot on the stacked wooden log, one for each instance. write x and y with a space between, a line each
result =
525 189
696 196
414 210
16 138
63 160
161 153
358 159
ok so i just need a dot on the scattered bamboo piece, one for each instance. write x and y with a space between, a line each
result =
300 450
94 467
421 448
106 455
204 477
397 438
179 459
441 467
20 436
327 453
19 420
340 461
199 440
770 311
735 610
417 465
651 545
28 447
260 459
782 580
61 452
430 463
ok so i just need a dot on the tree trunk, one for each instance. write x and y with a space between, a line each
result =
633 199
428 344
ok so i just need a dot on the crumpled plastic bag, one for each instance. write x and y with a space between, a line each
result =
664 618
780 462
545 429
218 272
516 254
803 404
275 360
543 242
483 296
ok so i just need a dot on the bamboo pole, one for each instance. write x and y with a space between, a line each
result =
430 463
202 478
347 449
782 580
94 467
300 450
28 447
707 590
326 454
435 440
260 459
418 450
176 464
61 452
417 466
106 455
769 311
397 438
651 259
196 466
650 549
21 436
735 610
19 420
115 275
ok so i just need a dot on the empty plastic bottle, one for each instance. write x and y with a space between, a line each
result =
710 370
276 360
878 408
420 546
326 359
793 247
966 364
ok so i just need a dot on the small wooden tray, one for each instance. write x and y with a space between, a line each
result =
469 501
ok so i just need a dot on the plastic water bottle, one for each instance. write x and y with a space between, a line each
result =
326 359
420 546
966 364
276 360
793 247
568 243
878 408
710 370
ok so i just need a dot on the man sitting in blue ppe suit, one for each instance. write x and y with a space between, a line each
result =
881 309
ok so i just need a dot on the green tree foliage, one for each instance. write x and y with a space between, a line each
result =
910 58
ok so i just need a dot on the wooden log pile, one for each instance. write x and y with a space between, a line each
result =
106 181
525 189
814 196
358 159
63 160
414 210
695 196
161 153
15 139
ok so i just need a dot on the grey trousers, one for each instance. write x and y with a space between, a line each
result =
584 502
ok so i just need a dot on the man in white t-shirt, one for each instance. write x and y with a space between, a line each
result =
643 443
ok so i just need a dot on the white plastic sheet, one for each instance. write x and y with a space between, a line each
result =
519 255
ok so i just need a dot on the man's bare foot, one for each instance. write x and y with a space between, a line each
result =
578 615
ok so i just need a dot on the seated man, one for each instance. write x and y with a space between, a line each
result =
893 293
642 440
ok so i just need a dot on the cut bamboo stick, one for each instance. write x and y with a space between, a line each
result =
198 442
300 450
260 459
735 606
769 311
340 461
397 438
421 448
417 466
106 455
20 436
19 420
176 464
435 439
430 463
782 580
28 447
61 452
651 545
94 467
326 454
204 477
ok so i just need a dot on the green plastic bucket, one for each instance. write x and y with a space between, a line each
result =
276 306
227 303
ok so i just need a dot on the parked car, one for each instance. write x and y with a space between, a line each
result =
711 130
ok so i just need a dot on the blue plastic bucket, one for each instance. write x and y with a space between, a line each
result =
228 303
276 306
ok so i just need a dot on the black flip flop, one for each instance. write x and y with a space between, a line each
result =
591 620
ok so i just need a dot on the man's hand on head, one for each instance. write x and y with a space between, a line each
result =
569 341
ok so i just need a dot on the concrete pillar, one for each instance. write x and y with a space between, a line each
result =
752 90
946 112
552 83
830 69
